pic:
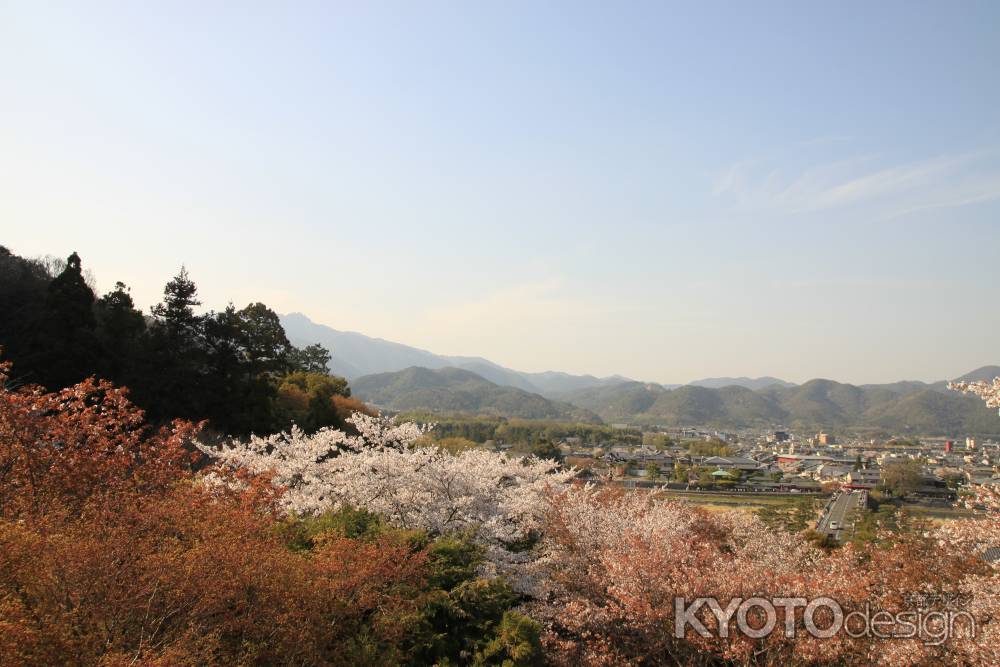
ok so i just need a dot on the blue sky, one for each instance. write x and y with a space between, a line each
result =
660 190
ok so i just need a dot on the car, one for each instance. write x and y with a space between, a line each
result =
834 525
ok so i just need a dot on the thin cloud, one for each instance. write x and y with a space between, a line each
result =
941 182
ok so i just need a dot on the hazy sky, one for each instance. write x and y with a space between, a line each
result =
660 190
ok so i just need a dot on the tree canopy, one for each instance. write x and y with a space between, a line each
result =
234 368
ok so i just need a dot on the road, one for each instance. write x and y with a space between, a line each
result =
837 511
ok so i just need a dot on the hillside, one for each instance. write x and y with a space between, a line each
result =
904 407
401 377
980 374
748 383
619 402
451 390
355 355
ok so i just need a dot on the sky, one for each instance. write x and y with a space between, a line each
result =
660 190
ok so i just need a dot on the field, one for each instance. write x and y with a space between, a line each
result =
743 502
937 514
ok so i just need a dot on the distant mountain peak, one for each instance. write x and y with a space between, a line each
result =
355 355
749 383
986 373
422 379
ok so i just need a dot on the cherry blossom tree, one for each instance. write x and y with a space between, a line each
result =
988 391
499 499
614 563
972 538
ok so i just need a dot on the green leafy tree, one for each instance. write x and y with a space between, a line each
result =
454 445
547 450
310 359
517 644
657 440
264 343
468 616
902 478
308 400
713 447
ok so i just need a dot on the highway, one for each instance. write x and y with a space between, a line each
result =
837 511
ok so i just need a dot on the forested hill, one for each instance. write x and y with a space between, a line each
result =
357 354
455 390
905 407
234 368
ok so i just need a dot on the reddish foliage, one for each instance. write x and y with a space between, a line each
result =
346 407
617 561
190 579
112 552
60 449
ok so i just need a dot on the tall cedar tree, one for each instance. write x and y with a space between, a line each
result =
68 347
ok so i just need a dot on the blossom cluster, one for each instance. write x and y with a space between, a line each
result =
616 562
988 391
497 498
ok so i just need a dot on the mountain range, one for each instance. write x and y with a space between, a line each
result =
905 407
355 355
456 390
749 383
400 378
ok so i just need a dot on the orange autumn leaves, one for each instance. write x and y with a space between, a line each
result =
111 554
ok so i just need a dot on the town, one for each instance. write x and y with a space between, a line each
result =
926 475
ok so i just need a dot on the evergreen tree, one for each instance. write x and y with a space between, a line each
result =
23 288
310 359
119 329
68 347
172 379
176 312
225 376
224 367
265 346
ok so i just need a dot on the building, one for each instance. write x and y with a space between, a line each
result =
830 472
970 443
864 479
825 439
731 463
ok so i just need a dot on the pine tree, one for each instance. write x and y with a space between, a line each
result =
172 378
176 312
